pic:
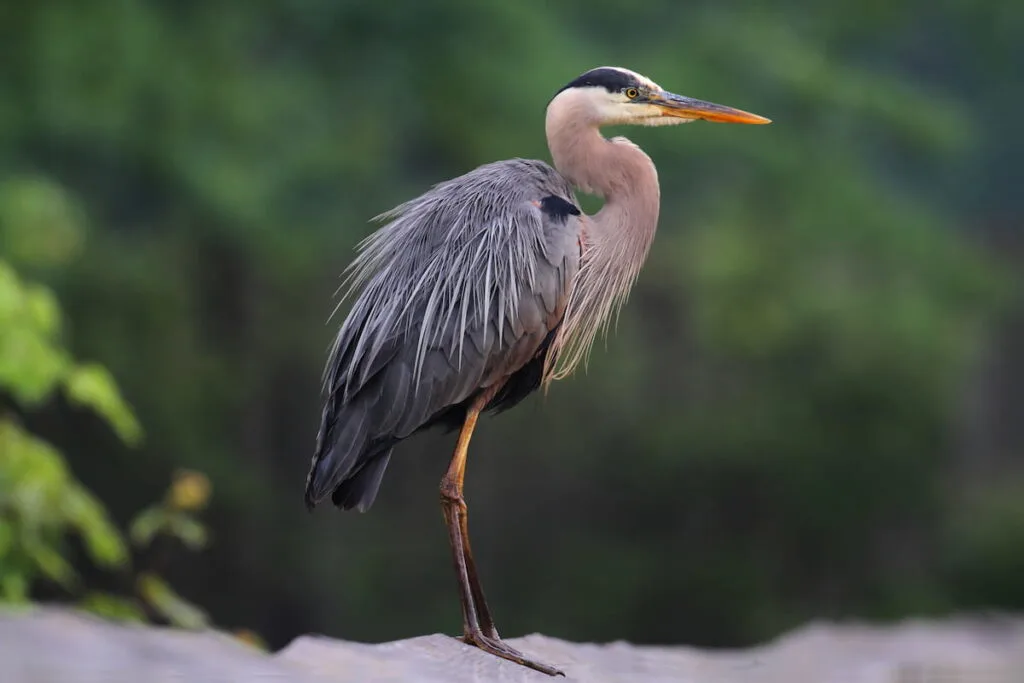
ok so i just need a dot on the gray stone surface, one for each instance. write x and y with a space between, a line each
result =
49 645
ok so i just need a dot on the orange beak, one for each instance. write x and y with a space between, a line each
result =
688 108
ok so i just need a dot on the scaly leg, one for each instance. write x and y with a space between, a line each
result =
477 624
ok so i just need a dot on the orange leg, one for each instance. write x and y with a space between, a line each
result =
477 624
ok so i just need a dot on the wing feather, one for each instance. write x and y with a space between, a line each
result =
460 290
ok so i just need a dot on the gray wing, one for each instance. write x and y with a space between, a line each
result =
460 291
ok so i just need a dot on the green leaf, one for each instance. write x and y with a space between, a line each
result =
146 525
162 598
91 385
45 502
103 540
158 519
190 531
31 364
13 587
50 562
42 310
112 607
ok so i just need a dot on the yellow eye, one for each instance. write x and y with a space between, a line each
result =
632 93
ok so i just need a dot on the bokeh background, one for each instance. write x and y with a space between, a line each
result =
811 406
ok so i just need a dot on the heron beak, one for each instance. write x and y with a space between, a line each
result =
681 107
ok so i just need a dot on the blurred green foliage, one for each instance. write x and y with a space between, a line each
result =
803 412
40 500
42 504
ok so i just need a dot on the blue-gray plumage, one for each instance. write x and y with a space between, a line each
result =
487 286
459 291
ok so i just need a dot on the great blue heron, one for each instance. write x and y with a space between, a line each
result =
485 288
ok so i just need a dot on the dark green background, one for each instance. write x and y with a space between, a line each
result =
811 405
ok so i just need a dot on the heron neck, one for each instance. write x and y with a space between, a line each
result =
618 171
615 241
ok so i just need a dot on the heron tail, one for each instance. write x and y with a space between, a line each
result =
360 489
340 450
349 464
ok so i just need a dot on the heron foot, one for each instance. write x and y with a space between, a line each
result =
499 648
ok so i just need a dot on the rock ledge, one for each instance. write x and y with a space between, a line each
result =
51 645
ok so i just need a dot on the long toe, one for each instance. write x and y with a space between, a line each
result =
501 649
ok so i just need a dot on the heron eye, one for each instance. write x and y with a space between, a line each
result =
632 93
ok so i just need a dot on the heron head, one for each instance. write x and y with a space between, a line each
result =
611 95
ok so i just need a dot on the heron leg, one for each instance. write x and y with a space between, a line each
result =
477 625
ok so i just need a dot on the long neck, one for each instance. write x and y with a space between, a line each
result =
615 169
617 239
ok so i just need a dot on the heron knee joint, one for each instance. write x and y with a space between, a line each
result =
451 492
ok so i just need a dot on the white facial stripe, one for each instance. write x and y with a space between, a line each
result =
614 108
